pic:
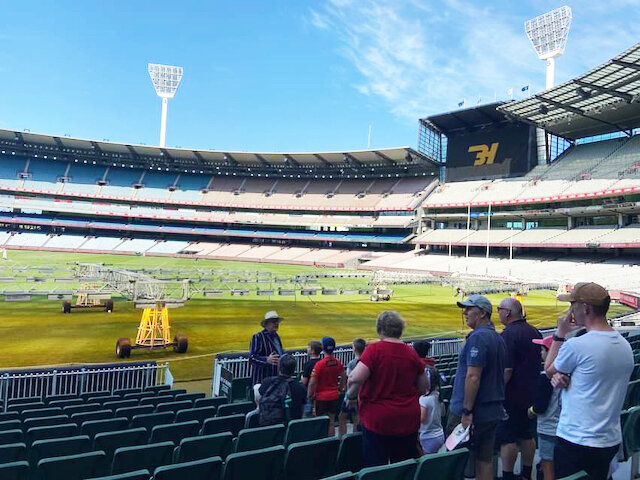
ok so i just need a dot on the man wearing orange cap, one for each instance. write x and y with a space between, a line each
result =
594 370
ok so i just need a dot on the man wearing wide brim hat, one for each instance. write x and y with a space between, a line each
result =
265 348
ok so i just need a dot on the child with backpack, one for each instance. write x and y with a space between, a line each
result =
282 398
431 431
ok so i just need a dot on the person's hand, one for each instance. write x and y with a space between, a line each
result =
560 379
466 420
308 409
273 359
531 413
566 323
350 402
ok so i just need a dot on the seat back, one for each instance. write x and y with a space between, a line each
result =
85 407
204 446
131 412
350 453
61 398
189 396
149 457
174 392
72 467
11 436
631 433
124 391
311 460
40 412
10 425
264 464
115 405
138 395
150 420
82 417
235 408
13 452
55 431
174 432
396 471
155 401
15 470
306 429
137 475
445 466
157 388
19 407
231 423
58 447
65 403
45 421
632 398
173 406
93 427
109 442
199 414
205 469
581 475
210 402
261 437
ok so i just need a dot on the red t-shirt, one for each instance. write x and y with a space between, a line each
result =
327 372
389 398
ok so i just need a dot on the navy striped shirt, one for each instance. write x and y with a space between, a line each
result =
262 345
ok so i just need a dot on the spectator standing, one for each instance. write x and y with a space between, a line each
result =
546 407
349 407
265 348
281 398
520 376
478 390
314 349
390 378
594 371
422 348
431 432
328 380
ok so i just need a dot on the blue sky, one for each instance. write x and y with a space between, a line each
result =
279 75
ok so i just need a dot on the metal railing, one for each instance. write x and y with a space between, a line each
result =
78 380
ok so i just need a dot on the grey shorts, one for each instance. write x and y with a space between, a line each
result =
546 444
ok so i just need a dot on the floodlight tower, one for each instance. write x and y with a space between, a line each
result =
548 34
165 79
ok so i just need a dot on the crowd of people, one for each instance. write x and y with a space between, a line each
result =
508 389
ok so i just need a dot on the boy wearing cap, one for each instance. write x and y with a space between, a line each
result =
546 407
478 391
266 348
594 371
328 380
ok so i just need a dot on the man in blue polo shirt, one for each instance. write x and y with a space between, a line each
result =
478 391
521 377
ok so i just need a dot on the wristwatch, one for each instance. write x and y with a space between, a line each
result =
466 411
558 339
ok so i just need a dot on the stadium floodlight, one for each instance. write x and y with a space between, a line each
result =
548 34
165 79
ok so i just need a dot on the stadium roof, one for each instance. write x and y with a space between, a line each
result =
180 158
468 119
604 100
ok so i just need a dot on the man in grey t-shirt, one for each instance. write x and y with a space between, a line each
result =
594 370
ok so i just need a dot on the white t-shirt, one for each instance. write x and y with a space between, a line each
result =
600 364
432 427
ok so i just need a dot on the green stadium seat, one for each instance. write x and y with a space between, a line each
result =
257 438
85 407
13 452
264 464
102 399
20 407
150 420
581 475
174 392
109 442
101 393
137 475
632 397
189 396
120 404
138 396
130 412
24 400
174 432
199 414
45 421
58 447
123 391
173 406
93 427
235 408
306 429
341 476
60 398
445 392
635 375
11 436
6 416
350 453
40 412
444 466
204 446
210 402
10 425
231 423
65 403
15 470
55 431
72 467
82 417
155 401
396 471
252 419
205 469
149 457
240 387
157 388
311 460
631 436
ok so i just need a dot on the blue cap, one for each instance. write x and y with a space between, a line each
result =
328 344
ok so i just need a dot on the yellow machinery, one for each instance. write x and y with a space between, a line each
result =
154 331
90 296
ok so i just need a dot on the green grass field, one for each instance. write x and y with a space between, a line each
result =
38 333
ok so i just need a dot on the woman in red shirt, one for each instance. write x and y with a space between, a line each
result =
391 379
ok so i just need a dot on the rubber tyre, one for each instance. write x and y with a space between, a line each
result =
66 307
108 306
123 347
181 343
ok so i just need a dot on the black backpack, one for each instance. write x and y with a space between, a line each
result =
275 403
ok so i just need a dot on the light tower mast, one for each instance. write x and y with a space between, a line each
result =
165 79
548 35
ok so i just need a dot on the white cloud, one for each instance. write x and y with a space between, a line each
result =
420 58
